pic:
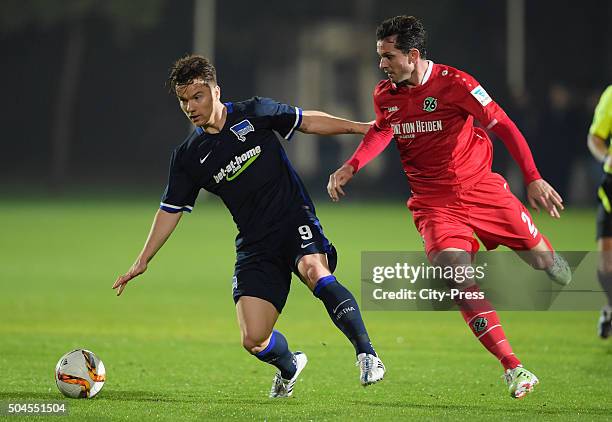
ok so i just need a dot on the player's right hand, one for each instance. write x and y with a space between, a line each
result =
540 193
137 268
337 180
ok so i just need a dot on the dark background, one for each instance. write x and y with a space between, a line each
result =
85 107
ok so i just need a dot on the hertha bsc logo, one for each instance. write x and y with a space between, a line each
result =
480 324
241 129
430 104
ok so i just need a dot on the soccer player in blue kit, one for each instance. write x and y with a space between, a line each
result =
234 153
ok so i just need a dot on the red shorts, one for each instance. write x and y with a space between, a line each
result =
487 209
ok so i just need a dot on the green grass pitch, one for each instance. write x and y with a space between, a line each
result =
171 342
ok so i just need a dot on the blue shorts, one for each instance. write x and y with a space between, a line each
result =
264 269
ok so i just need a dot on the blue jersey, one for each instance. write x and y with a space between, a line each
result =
245 165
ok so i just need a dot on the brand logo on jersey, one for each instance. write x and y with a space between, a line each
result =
430 104
239 164
410 129
480 324
481 95
205 157
392 109
241 129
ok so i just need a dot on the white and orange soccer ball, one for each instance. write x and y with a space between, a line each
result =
80 374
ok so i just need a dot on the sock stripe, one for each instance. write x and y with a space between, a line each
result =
322 282
497 349
495 326
492 336
269 347
477 315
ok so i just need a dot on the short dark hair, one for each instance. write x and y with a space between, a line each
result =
409 30
189 68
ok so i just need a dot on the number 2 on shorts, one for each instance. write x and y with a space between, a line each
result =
532 228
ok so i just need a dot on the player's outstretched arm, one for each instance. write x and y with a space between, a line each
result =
319 123
163 225
540 193
372 144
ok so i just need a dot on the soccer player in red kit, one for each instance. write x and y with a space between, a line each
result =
429 109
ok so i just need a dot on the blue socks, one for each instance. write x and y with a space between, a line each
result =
277 354
344 312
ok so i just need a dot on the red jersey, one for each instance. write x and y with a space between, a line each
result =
433 126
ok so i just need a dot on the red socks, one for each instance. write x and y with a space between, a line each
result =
484 323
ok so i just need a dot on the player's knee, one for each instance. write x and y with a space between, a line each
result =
312 271
315 273
451 258
253 343
605 268
460 261
605 260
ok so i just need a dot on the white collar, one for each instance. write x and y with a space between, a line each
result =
427 72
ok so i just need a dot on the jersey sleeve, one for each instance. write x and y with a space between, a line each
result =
181 191
602 119
474 99
374 142
381 122
282 118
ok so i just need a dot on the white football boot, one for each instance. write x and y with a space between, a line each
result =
371 368
282 388
560 271
520 382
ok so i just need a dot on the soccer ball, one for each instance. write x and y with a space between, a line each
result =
80 374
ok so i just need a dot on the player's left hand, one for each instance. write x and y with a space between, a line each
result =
137 268
337 180
540 193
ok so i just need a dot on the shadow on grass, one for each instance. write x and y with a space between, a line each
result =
28 395
255 402
487 409
114 395
198 399
143 396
